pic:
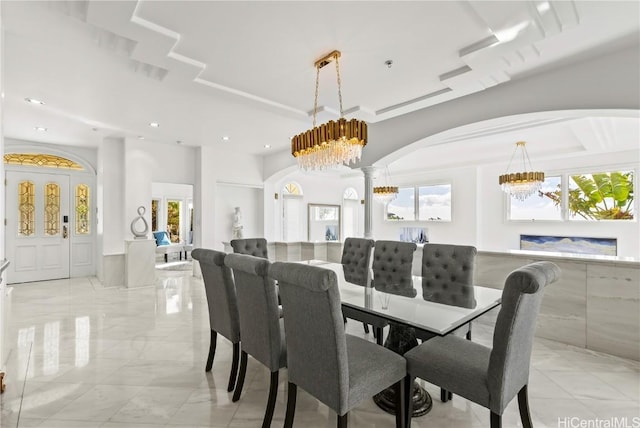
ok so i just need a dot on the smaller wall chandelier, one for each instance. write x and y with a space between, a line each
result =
385 194
333 143
521 185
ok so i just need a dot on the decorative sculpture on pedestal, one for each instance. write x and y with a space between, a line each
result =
236 230
140 234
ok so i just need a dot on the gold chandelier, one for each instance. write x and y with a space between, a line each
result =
387 193
521 185
333 143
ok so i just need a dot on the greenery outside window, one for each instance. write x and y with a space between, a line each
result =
601 196
154 214
173 220
581 197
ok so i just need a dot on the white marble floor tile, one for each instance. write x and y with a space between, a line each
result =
98 404
152 405
628 384
582 385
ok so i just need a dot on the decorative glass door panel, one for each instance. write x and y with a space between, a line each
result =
37 243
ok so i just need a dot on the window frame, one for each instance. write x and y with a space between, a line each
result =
565 216
416 203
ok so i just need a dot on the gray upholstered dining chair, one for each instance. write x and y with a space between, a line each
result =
339 369
392 264
223 305
356 260
490 377
261 328
447 277
256 247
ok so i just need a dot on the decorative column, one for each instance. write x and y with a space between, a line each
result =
369 172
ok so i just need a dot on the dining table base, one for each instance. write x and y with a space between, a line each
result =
421 399
402 339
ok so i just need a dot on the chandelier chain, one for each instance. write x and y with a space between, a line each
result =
315 103
339 85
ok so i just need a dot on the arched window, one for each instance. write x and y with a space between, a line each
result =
351 213
291 188
39 159
292 213
350 193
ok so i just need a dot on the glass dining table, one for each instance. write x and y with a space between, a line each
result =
419 310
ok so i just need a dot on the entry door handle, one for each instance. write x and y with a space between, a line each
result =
64 232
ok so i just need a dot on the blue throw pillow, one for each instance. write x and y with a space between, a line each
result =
162 238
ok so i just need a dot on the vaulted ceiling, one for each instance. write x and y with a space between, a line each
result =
206 70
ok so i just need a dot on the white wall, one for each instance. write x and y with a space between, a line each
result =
215 168
148 162
461 229
317 188
251 203
139 167
111 190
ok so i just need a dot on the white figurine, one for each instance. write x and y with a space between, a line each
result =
236 230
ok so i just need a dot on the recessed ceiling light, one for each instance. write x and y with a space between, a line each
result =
267 146
179 142
225 138
34 101
140 137
543 7
94 129
41 129
154 125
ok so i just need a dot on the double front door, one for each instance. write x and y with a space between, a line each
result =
37 226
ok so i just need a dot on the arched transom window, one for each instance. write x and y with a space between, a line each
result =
40 159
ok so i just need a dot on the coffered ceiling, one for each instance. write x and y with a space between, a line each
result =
205 70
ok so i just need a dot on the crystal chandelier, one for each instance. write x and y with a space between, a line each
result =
521 185
332 143
385 194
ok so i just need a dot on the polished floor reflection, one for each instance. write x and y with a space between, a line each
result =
82 355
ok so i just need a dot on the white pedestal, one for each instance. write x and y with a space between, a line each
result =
140 262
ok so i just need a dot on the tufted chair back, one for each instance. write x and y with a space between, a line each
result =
356 255
392 261
256 247
447 274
